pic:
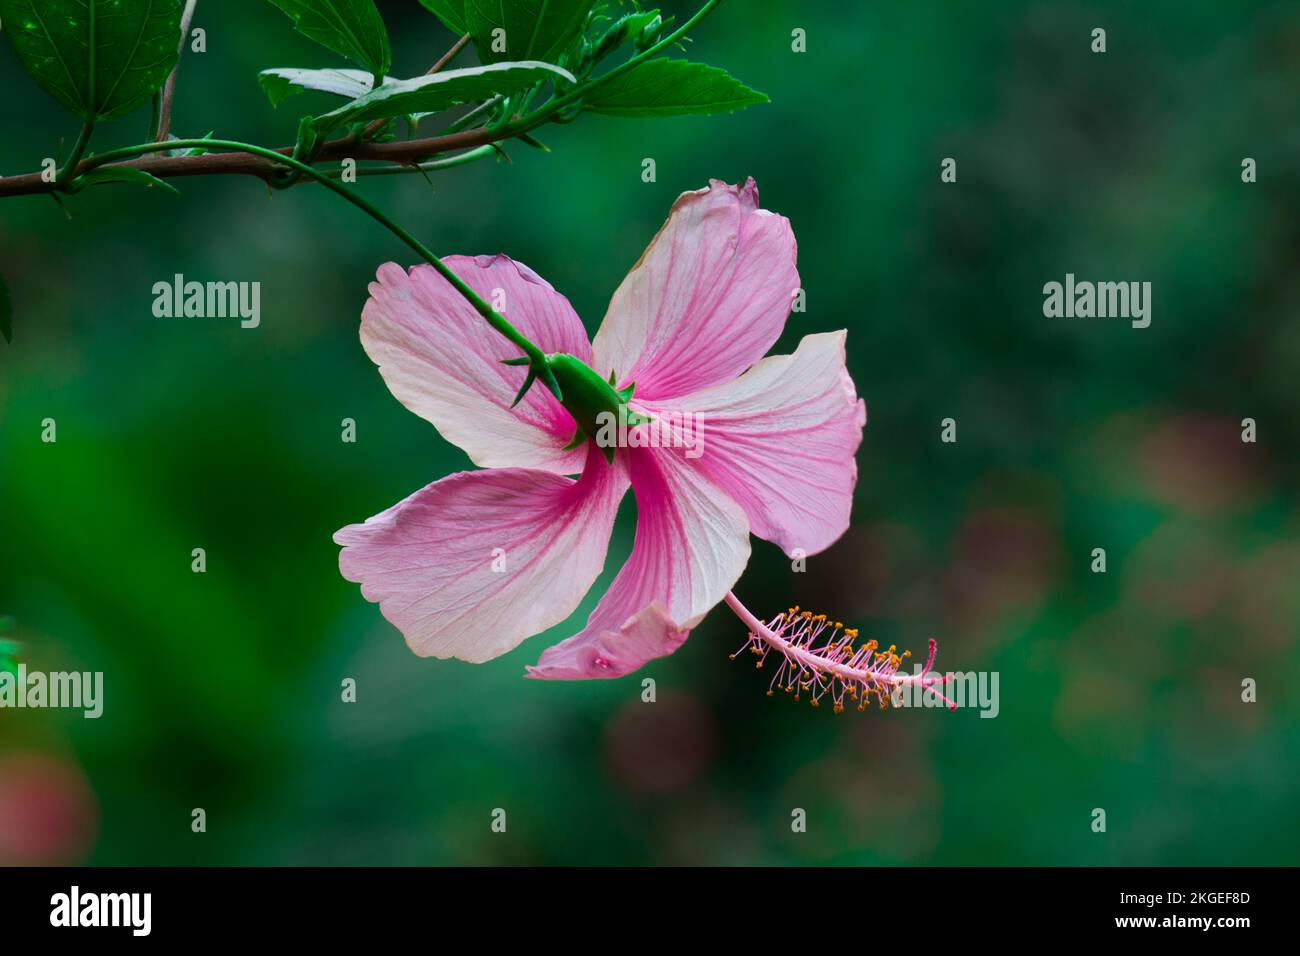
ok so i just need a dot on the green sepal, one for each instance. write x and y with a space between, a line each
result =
588 397
551 382
536 369
523 389
578 439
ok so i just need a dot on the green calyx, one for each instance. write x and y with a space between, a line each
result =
595 404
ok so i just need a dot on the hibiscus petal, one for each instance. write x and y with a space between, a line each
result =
471 565
706 300
613 652
442 361
692 543
780 440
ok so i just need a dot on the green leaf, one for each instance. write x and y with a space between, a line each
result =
672 88
351 28
429 94
282 83
450 12
530 29
277 88
6 313
121 174
101 59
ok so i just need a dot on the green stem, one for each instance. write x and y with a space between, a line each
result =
460 159
78 150
493 318
163 129
155 117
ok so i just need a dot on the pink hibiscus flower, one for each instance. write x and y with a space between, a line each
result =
473 564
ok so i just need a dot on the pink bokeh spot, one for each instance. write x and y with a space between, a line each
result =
48 815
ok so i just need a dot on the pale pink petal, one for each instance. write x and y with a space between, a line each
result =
471 565
442 360
781 440
706 300
692 543
613 652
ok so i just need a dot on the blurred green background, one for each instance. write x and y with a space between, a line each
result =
1120 691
